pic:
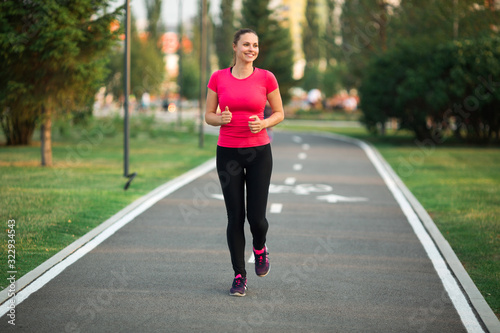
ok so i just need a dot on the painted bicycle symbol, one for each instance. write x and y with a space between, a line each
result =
306 189
300 189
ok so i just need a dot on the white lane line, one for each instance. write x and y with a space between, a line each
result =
297 167
122 218
296 139
450 284
218 196
276 208
302 156
290 181
306 146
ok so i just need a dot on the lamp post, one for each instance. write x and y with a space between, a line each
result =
203 67
126 89
179 75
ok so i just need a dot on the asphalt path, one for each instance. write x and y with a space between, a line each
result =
343 259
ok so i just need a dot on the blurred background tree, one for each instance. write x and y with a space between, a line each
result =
52 60
363 29
311 46
275 43
147 64
436 62
224 32
155 26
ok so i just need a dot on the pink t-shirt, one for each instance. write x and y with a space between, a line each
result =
244 97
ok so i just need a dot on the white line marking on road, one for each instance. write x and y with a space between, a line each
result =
124 218
306 146
297 167
296 139
290 181
302 156
218 196
276 208
450 284
334 198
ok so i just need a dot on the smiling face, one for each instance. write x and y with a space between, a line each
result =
247 48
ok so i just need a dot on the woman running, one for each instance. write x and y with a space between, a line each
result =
244 158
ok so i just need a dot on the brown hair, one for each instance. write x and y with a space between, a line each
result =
236 38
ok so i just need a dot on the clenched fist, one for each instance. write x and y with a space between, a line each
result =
256 125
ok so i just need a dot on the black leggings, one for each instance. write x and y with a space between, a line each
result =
236 168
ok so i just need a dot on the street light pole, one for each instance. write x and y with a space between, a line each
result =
126 90
203 67
179 75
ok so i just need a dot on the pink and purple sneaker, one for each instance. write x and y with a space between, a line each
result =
262 265
239 286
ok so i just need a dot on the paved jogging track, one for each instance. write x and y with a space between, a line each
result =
344 259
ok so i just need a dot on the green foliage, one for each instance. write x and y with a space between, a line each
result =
330 32
448 87
147 67
332 79
155 26
364 26
312 78
436 22
275 43
370 28
224 34
328 81
190 79
311 34
51 58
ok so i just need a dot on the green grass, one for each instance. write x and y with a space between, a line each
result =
459 186
54 206
316 114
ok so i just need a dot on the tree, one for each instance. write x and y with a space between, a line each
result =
329 38
153 9
364 26
190 76
275 43
224 32
431 91
147 66
51 58
311 45
462 19
311 34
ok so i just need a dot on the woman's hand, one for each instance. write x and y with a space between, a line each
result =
226 116
256 125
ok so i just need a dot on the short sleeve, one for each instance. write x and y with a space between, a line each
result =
212 83
271 82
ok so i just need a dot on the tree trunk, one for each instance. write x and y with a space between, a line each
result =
46 136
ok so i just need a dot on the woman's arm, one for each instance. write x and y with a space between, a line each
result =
211 116
278 114
256 125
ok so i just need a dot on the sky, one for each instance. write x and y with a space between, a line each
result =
170 10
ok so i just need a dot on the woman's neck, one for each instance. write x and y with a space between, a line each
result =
242 71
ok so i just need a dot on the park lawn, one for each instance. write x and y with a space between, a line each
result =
459 186
52 207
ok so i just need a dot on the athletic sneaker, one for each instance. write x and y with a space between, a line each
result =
239 286
262 265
